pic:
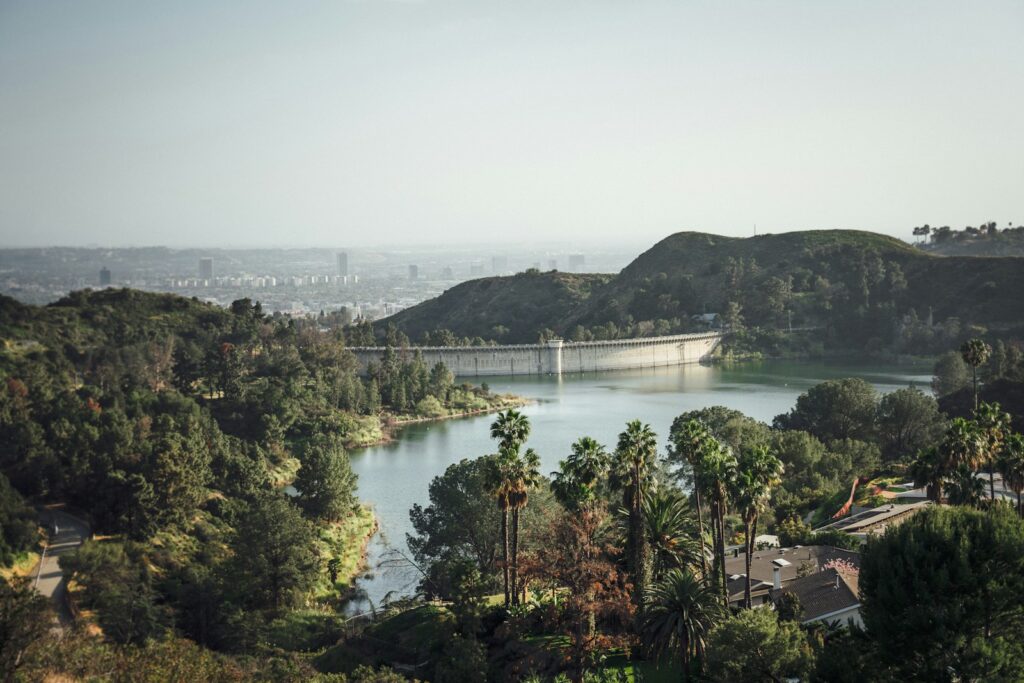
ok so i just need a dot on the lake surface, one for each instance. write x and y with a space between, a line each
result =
395 476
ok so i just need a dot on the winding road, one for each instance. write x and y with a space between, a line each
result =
49 580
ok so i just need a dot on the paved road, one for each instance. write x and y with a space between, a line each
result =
49 581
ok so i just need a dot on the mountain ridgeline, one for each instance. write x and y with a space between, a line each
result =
863 291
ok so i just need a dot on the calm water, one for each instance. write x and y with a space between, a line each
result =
394 476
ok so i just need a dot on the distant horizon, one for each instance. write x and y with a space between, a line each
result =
467 245
383 122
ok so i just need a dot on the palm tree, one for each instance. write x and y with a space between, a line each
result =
525 476
500 482
758 471
929 470
671 531
994 426
717 470
577 478
511 428
975 353
634 458
963 444
680 612
689 445
964 487
1011 466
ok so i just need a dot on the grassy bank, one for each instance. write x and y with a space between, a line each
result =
345 542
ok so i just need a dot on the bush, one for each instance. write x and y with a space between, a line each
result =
429 406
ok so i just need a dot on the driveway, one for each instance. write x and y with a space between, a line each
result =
49 580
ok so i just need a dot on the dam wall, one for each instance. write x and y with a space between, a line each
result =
558 357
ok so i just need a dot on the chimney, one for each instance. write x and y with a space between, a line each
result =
777 566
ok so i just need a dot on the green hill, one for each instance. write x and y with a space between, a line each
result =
863 290
510 309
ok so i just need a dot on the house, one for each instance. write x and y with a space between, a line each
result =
707 319
829 595
876 520
777 568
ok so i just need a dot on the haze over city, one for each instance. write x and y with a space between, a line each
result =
386 123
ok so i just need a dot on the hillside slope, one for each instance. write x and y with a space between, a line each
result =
861 288
523 304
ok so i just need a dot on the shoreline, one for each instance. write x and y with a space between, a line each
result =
390 424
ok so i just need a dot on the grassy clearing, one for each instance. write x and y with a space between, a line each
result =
284 473
649 672
23 564
367 431
305 630
346 542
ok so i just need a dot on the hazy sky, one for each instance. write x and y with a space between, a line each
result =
383 122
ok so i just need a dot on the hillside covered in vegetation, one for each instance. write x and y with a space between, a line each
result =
862 290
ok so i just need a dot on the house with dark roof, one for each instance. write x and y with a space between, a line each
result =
778 567
829 595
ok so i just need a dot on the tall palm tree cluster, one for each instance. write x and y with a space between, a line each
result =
983 444
675 567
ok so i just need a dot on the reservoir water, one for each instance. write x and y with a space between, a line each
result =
394 476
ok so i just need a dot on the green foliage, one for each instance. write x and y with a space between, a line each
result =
833 410
680 611
117 582
463 659
951 374
274 561
753 645
17 523
25 619
461 521
325 481
907 421
943 595
788 607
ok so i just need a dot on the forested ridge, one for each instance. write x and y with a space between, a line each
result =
861 291
171 426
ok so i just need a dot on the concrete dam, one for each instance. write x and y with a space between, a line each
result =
558 357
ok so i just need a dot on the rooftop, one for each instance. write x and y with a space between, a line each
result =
823 593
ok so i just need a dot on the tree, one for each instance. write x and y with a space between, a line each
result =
464 659
117 583
908 420
325 481
951 374
690 442
835 409
635 458
717 470
525 476
17 523
25 619
929 469
753 645
975 353
758 471
461 520
679 614
274 559
576 482
511 429
994 427
577 554
788 607
672 532
1011 467
942 595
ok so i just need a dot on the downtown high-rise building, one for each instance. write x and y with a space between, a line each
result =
206 268
414 272
343 263
104 276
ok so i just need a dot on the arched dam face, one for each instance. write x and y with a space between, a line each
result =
557 357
